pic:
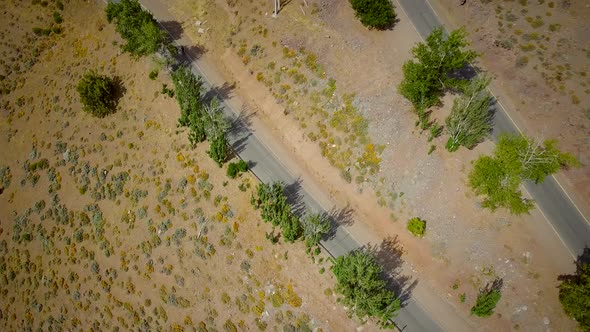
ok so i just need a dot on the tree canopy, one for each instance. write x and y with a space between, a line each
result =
314 227
516 158
428 75
272 202
574 295
358 277
97 94
137 26
188 91
470 120
377 14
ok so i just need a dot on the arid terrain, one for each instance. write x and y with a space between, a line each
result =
283 68
115 223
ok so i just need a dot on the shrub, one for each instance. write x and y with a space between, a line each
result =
487 299
417 226
57 17
97 94
574 295
153 74
234 168
378 14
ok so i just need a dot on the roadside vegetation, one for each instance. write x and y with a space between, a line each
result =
374 14
137 26
574 292
470 120
487 299
364 291
429 74
516 158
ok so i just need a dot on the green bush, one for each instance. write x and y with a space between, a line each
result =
233 169
574 295
486 302
153 74
417 226
377 14
97 94
57 17
137 26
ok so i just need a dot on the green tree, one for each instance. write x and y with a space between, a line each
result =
358 277
188 89
490 178
531 159
516 158
574 295
272 202
377 14
427 76
315 226
470 120
137 26
487 299
216 128
234 168
97 94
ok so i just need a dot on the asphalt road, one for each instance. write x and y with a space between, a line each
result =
551 199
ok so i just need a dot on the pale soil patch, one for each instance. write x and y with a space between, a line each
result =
118 241
539 53
467 242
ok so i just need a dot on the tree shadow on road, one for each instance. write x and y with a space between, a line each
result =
583 258
293 194
240 130
222 92
389 254
337 218
173 28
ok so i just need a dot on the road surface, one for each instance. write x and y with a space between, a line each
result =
567 220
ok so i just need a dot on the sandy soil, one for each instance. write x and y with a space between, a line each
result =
539 54
465 246
124 226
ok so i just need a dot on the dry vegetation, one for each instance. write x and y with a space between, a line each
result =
116 223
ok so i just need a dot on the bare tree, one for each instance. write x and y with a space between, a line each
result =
470 120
